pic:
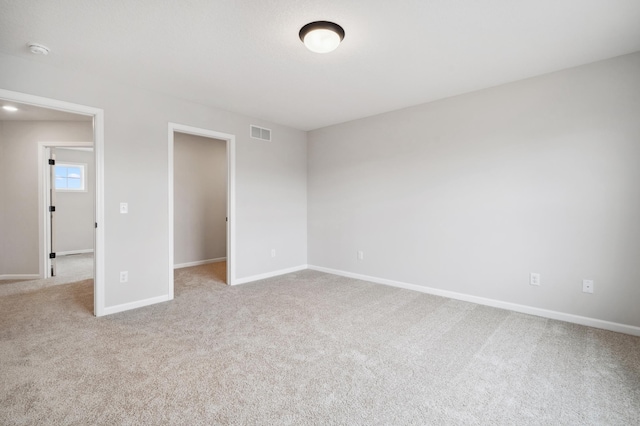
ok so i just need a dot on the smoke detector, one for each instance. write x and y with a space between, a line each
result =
38 49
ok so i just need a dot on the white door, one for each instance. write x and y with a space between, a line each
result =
52 210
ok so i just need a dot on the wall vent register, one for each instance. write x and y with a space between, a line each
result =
260 133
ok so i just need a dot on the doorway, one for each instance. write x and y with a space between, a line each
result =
67 192
196 249
96 116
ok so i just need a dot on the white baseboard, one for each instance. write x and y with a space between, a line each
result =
133 305
545 313
199 262
141 303
70 252
20 277
270 274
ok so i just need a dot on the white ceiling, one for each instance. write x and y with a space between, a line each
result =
30 113
245 55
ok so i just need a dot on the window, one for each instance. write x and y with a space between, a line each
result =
70 177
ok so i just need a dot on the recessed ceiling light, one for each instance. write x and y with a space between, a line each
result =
38 49
321 36
9 108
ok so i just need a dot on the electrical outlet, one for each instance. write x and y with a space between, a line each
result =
360 255
587 286
124 276
273 252
534 278
124 208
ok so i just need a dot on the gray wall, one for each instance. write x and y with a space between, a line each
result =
74 210
471 193
19 177
271 208
200 198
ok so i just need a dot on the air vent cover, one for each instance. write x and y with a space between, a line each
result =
260 133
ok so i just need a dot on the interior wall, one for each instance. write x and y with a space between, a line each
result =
75 210
271 203
19 176
470 194
200 198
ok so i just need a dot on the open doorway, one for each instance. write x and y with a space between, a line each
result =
51 119
67 210
201 202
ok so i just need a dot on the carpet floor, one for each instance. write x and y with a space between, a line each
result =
70 268
307 348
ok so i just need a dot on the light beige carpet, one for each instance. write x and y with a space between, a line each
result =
70 268
305 349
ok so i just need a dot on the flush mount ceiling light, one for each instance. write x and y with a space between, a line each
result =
321 36
9 108
38 49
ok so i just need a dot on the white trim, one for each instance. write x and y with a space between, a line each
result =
270 274
78 149
170 291
72 252
19 277
199 262
231 196
231 210
545 313
98 146
100 253
133 305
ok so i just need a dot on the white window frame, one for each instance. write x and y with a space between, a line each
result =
83 176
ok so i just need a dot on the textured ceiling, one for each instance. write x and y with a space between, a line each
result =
245 55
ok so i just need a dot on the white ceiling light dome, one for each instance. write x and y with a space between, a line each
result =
321 36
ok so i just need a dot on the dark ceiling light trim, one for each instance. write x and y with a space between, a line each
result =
321 36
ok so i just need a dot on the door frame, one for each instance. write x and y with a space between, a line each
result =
231 195
44 184
98 150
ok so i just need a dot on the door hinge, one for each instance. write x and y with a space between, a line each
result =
52 162
96 224
52 255
52 209
226 219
